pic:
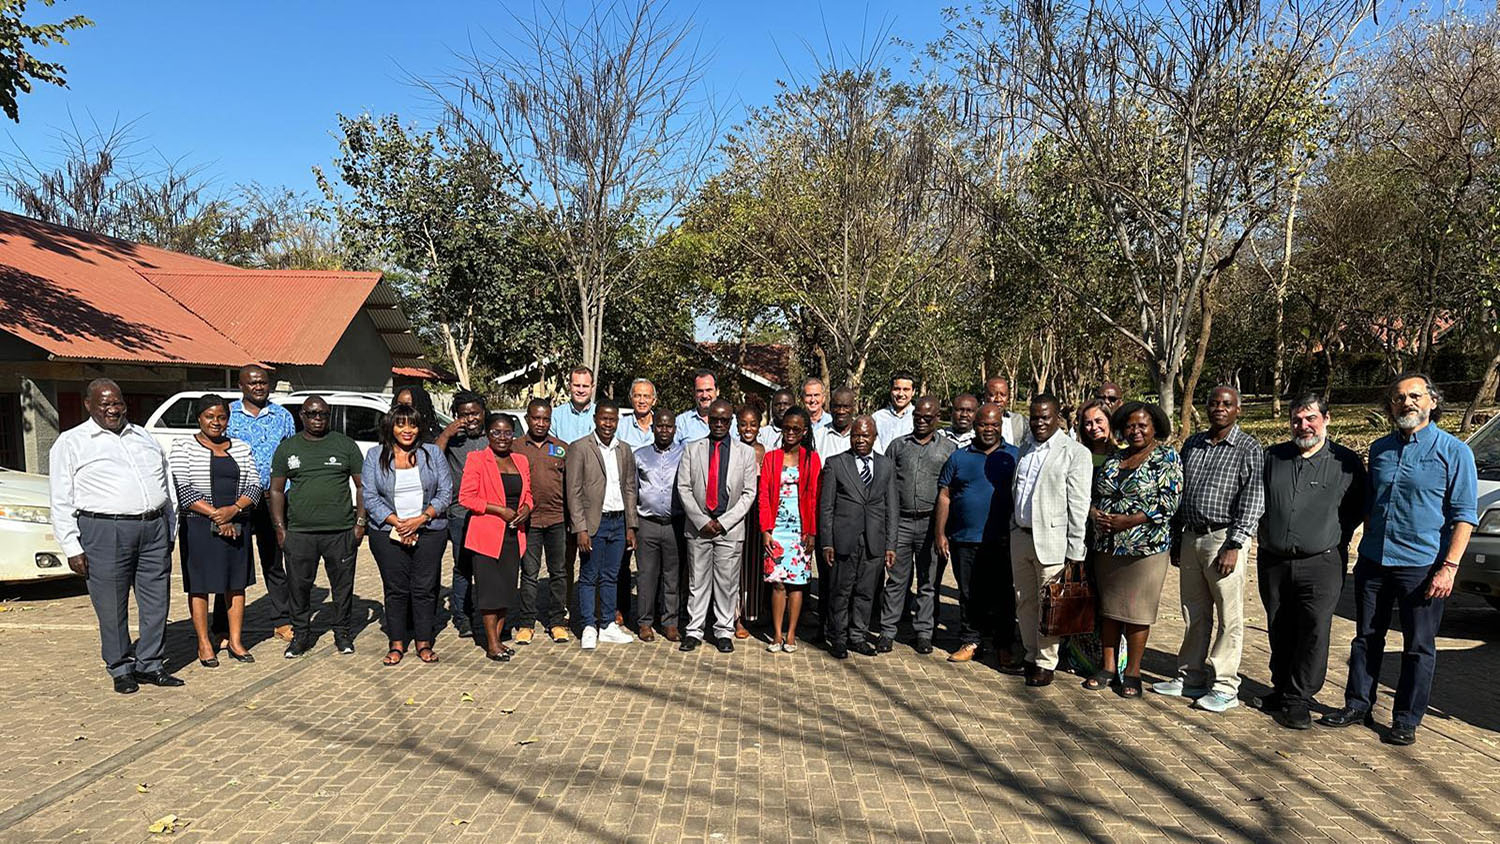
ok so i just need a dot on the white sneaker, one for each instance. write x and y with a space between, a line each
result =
614 634
590 638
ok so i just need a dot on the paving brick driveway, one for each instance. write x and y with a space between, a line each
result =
642 743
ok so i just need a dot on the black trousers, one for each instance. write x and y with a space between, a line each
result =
301 554
553 540
852 596
411 576
986 592
272 569
1300 595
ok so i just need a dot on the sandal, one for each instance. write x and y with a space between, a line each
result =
398 653
1101 680
428 656
1129 686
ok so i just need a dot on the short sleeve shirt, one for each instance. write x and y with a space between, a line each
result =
318 473
979 493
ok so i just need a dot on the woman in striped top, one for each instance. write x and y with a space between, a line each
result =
217 484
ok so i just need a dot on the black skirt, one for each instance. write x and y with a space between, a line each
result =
497 581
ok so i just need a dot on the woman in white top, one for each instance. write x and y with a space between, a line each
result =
407 489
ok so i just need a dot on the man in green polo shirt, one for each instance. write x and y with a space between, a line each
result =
315 518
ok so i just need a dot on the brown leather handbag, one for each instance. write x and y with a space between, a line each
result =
1068 603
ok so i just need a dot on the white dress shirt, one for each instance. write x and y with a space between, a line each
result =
614 502
1014 430
103 472
1028 472
830 442
890 426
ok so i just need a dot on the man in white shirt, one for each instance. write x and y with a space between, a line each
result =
834 438
113 515
1013 425
1054 478
894 421
601 493
770 433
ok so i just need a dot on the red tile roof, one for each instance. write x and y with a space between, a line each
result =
81 296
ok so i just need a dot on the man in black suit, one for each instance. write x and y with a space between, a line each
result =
857 529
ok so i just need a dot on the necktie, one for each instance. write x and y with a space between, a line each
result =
866 474
712 499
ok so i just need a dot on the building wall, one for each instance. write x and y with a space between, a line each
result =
360 361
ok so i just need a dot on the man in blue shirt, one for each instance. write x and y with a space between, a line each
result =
262 424
1423 501
971 522
636 425
658 541
574 419
693 424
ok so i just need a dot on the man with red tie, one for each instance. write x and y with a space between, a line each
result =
716 482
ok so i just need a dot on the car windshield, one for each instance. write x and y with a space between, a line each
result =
1486 445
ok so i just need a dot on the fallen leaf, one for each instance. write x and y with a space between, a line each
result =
507 711
234 781
252 706
458 822
4 609
164 824
526 741
411 701
466 698
1283 754
143 788
80 738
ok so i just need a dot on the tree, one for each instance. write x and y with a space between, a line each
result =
1180 117
442 214
605 121
18 66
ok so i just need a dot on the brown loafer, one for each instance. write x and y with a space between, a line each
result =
964 654
1040 677
740 632
646 633
284 632
671 634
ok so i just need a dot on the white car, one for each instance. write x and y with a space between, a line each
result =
356 415
28 550
1479 571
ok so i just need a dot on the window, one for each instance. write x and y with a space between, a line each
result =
361 423
179 415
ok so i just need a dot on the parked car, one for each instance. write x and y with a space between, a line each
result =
28 550
1479 571
356 415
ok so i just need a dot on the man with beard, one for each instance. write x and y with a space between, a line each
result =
463 435
1423 503
1222 500
692 424
1315 492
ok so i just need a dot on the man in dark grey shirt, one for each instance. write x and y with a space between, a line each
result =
919 457
464 435
1315 497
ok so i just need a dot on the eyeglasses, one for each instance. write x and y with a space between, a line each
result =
314 414
1400 397
500 434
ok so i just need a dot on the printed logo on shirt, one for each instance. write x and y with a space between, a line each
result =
294 462
333 461
556 451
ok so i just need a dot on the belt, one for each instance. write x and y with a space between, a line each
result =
612 514
661 520
1023 529
907 514
1205 527
125 517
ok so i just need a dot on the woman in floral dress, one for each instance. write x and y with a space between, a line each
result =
788 523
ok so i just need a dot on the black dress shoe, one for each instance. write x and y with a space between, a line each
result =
1040 677
838 651
212 662
1272 702
923 646
689 643
158 678
244 657
885 644
1347 716
126 685
299 646
1293 717
865 648
1400 734
725 645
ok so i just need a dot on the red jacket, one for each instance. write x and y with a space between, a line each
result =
809 469
481 487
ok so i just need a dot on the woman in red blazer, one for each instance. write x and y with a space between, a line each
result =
497 491
789 522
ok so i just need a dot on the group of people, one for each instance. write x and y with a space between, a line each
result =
719 506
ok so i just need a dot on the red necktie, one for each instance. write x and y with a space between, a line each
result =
713 476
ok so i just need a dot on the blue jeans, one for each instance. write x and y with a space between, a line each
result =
460 604
1376 589
599 572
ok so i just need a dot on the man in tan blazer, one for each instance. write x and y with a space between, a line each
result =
716 508
1053 482
600 478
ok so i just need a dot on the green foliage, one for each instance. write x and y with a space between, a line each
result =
18 65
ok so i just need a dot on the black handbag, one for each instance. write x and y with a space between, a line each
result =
1068 603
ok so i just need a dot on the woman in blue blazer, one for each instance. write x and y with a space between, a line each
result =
407 491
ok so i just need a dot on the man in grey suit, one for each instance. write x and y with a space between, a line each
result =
857 510
716 482
1052 485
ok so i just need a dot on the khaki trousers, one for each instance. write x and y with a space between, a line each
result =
1213 611
1030 575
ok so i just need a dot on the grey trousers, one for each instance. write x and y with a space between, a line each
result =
658 556
123 554
914 556
851 601
714 566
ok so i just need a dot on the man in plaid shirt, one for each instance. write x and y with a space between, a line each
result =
1222 501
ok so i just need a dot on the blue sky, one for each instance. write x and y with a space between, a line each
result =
249 90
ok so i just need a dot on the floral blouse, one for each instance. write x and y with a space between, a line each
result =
1154 488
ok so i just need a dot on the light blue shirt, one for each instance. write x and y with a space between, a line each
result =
570 424
1419 489
691 426
889 426
262 432
656 478
631 434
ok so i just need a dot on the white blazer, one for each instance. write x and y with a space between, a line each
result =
1060 502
